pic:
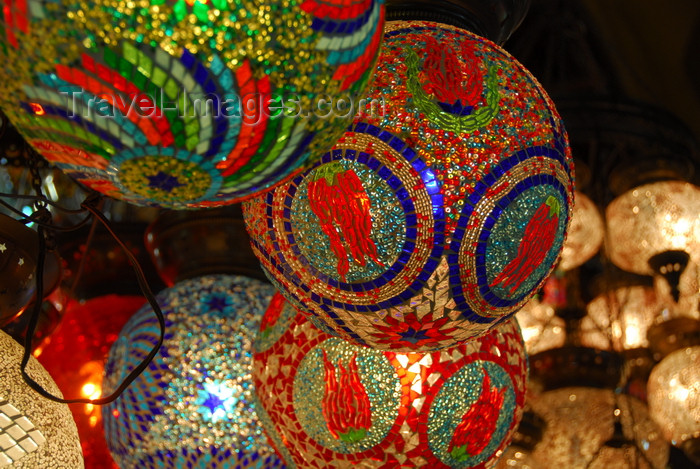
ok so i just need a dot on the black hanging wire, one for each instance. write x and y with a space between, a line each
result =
42 218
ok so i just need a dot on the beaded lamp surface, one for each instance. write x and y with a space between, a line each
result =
325 402
585 234
439 212
597 428
184 103
193 406
674 396
651 219
34 431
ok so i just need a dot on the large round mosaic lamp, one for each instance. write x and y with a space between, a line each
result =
655 229
674 399
185 103
585 235
193 405
34 431
325 402
440 211
598 429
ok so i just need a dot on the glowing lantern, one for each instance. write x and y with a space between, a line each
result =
542 329
439 212
674 399
596 428
619 319
325 402
184 104
585 233
655 228
34 431
193 405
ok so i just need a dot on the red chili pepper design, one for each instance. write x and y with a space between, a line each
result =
474 432
345 404
450 80
534 246
273 313
338 199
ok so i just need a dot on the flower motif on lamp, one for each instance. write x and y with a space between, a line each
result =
440 211
34 431
325 402
193 405
184 103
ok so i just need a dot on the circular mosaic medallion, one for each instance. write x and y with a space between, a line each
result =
521 220
471 415
336 390
352 225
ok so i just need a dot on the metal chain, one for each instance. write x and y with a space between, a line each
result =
41 206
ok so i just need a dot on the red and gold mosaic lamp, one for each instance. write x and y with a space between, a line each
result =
325 402
184 103
441 210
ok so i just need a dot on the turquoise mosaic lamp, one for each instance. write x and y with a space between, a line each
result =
193 405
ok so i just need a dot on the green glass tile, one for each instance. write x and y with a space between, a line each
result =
145 64
192 127
177 128
110 58
180 10
192 142
172 117
200 11
171 89
140 81
159 76
180 140
130 53
125 69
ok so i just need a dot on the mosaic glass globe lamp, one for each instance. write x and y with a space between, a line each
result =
184 103
596 428
34 432
655 229
325 402
619 319
442 209
674 399
585 234
193 405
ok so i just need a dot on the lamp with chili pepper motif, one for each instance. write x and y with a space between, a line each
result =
184 103
325 402
441 210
